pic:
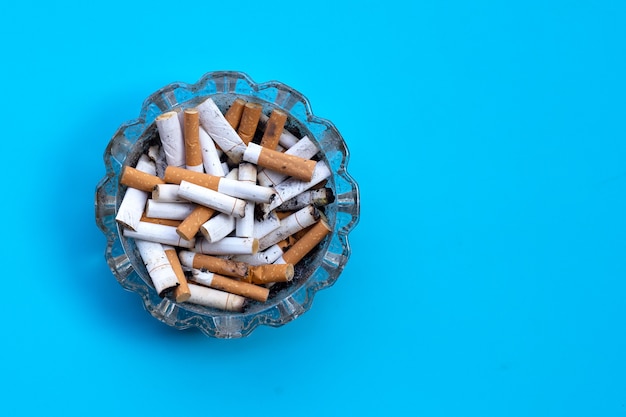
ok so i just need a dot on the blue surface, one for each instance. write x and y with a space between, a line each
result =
488 271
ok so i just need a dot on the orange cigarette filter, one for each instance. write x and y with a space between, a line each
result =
305 244
140 180
273 129
155 220
291 165
191 126
181 292
175 175
284 244
282 214
234 113
249 121
220 266
190 227
264 274
232 286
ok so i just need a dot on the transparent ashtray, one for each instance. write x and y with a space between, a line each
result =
318 270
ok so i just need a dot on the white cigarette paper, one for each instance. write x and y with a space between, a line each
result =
213 199
233 174
169 211
304 148
246 190
228 246
218 227
291 224
134 201
213 121
167 193
265 225
213 298
159 233
202 276
210 155
172 140
159 268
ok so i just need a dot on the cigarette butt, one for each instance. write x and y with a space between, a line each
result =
159 269
249 121
233 115
134 201
290 165
245 189
156 220
304 148
291 187
210 154
172 211
225 185
273 129
190 226
159 233
210 297
181 293
264 274
317 197
230 285
291 224
305 244
214 264
219 201
193 152
171 135
140 180
287 139
240 288
175 175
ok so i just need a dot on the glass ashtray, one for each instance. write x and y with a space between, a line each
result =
318 270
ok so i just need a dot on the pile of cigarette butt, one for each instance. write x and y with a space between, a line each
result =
222 206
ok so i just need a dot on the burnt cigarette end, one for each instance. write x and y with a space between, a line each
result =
315 213
169 292
329 197
259 212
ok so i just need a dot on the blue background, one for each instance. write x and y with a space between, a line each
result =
487 272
